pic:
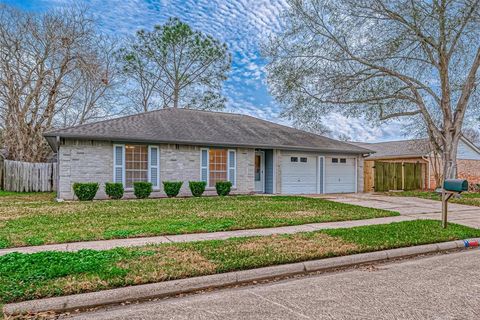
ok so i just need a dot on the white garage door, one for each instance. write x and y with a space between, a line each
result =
339 175
299 174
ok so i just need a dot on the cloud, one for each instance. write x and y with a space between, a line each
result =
242 24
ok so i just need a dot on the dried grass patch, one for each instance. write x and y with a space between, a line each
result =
166 263
318 244
72 284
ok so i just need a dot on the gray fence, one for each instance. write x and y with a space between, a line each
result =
27 177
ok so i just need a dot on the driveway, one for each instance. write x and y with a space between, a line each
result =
437 287
413 207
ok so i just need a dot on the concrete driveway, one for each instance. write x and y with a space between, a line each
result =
411 206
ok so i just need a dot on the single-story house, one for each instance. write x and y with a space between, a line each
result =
257 156
411 164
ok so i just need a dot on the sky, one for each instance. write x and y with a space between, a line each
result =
243 25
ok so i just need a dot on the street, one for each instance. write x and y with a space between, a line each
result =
443 286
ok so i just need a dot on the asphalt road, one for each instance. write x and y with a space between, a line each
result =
436 287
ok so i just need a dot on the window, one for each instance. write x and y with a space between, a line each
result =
294 159
218 165
334 160
134 163
304 160
343 160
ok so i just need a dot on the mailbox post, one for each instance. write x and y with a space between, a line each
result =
450 188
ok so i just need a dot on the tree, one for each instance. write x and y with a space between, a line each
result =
472 135
383 59
173 66
52 72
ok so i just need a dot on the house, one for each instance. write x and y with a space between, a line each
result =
257 156
411 165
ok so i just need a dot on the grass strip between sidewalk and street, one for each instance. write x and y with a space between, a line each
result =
467 198
47 274
31 220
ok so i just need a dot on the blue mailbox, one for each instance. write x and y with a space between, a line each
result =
455 185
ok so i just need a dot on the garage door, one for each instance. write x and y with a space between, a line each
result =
299 174
339 175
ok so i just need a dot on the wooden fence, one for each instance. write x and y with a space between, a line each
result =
27 177
398 176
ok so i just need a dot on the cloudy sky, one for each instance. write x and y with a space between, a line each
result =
243 25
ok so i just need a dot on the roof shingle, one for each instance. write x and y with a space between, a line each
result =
186 126
397 149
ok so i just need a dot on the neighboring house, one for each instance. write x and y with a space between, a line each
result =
410 164
257 156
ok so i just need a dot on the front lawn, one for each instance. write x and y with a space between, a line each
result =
46 274
26 222
467 198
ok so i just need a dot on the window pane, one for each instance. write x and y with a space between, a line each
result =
258 167
217 165
136 164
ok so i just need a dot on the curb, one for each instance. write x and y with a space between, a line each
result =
91 300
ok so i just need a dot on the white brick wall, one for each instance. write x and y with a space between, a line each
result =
84 161
92 161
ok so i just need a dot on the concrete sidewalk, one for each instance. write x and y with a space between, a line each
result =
135 242
416 208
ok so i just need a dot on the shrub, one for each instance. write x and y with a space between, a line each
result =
172 188
85 191
142 189
223 188
197 187
114 190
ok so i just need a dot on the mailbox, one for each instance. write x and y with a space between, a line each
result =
456 185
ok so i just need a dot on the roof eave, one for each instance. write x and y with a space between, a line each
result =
51 136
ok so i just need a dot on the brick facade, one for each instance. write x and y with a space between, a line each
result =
92 161
84 161
469 170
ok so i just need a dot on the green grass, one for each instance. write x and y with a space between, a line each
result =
467 198
28 221
26 196
47 274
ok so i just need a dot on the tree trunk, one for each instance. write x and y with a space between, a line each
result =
175 96
449 155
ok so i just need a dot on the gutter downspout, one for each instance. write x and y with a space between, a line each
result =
429 168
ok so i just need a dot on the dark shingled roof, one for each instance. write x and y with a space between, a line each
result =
185 126
397 149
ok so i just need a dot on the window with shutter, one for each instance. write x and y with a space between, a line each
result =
204 165
119 163
232 167
154 165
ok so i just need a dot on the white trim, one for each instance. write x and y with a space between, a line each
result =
262 171
150 167
274 171
115 166
356 174
234 185
207 166
321 173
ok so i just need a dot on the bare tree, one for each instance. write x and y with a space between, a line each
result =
174 65
472 135
49 66
383 59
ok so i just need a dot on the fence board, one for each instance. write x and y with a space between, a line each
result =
29 177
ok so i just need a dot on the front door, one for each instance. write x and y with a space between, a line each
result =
259 171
